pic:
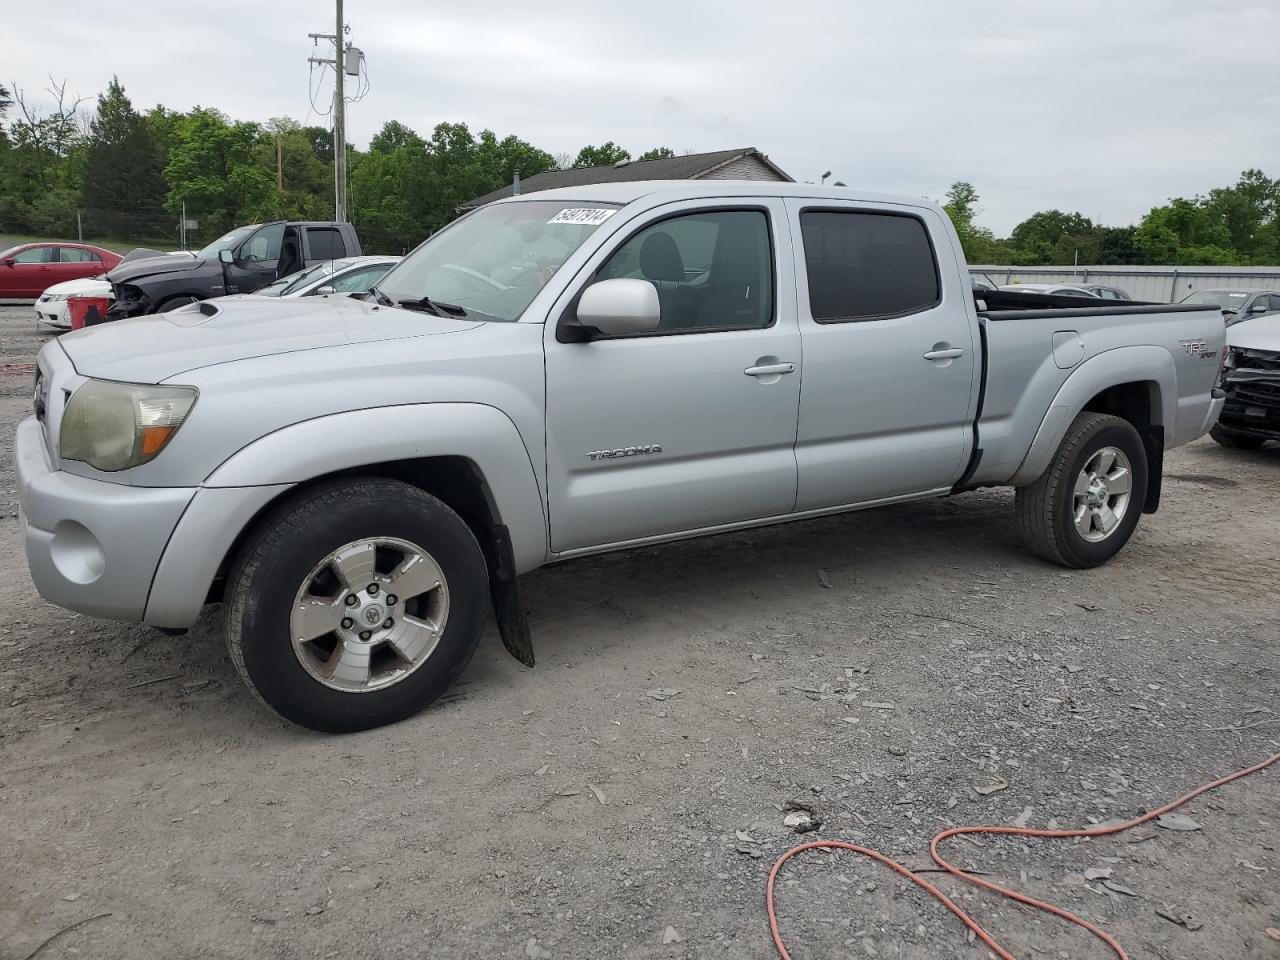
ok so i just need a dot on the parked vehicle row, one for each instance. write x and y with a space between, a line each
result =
1237 305
348 275
560 374
28 270
1069 290
242 261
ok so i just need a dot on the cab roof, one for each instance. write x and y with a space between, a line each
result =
656 192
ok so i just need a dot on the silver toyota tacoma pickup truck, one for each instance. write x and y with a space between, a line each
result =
360 482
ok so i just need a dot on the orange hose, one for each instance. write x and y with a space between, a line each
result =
951 905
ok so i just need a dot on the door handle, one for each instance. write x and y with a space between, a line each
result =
770 369
951 353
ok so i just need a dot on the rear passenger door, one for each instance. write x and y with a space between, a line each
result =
891 359
75 263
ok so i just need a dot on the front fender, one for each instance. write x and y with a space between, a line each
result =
343 441
1137 364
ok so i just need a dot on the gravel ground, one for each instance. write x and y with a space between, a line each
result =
890 668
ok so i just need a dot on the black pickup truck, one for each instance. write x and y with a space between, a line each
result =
242 261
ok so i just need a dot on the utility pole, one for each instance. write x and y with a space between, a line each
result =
342 51
340 124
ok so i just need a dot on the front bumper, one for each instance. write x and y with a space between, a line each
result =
140 554
1253 399
53 313
92 546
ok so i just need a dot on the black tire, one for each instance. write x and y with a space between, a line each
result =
1045 508
277 558
1236 441
173 303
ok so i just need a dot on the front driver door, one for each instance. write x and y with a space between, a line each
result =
680 429
256 260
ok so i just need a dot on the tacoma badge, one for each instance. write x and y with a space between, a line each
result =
625 451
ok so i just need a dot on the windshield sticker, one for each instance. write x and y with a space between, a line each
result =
588 216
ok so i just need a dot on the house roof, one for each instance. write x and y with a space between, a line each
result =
689 167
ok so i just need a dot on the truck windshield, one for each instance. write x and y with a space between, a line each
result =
226 242
493 263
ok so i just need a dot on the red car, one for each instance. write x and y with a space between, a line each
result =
26 271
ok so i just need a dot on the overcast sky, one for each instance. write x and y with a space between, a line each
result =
1105 108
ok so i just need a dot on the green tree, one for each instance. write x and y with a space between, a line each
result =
979 243
605 155
321 140
1249 210
657 153
212 168
392 137
405 187
123 186
1185 231
43 155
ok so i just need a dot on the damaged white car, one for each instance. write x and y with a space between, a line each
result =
1251 381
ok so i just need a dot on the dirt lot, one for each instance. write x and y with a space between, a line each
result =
880 666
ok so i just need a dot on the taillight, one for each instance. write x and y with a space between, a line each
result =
1222 361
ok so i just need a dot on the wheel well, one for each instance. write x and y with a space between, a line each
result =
1139 403
1129 401
456 481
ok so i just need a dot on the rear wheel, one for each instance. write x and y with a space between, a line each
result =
1085 506
1235 440
356 604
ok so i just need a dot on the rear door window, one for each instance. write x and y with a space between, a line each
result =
325 243
866 266
75 255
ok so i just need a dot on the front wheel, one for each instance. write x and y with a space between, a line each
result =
173 303
356 604
1085 506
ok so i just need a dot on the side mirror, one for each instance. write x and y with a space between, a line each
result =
9 261
327 289
226 256
1259 308
620 306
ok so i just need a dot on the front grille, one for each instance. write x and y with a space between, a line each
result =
1260 393
1258 360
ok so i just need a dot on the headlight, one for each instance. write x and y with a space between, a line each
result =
53 297
115 426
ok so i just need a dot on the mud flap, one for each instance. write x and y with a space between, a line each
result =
1153 441
513 623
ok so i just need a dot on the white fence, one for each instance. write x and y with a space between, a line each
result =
1160 284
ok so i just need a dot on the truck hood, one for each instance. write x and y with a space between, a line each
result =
132 271
163 346
1260 333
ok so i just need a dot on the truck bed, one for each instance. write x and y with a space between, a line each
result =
1027 363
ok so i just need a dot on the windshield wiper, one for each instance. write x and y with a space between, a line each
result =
437 307
381 298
